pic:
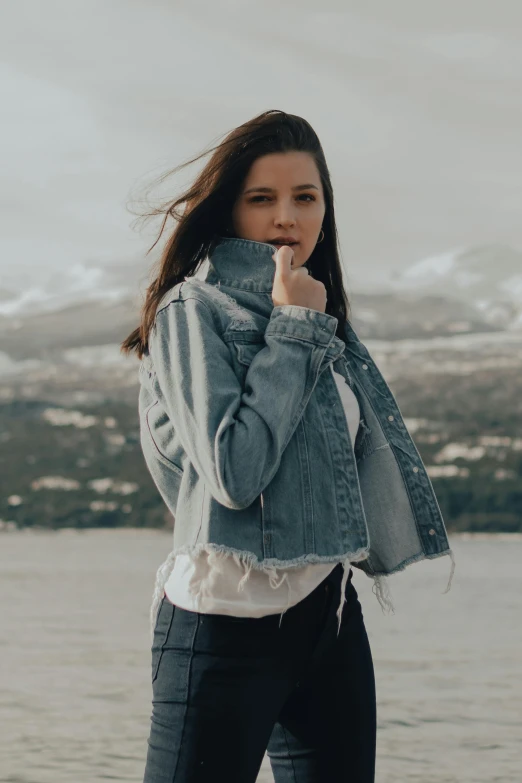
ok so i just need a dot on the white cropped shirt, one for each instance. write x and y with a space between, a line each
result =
215 584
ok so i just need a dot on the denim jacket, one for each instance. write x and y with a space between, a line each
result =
244 433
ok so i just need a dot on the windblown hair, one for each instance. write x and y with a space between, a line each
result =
207 212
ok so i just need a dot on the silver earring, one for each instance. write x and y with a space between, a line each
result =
320 240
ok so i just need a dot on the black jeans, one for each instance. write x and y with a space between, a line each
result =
227 689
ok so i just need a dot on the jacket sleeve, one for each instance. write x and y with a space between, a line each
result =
235 436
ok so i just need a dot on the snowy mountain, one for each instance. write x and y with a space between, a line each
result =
48 290
469 291
487 278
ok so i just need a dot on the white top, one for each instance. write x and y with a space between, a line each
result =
215 584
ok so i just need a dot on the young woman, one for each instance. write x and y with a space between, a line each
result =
280 451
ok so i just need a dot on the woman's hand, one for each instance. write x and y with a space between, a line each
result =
295 286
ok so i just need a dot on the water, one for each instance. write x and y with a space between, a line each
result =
75 696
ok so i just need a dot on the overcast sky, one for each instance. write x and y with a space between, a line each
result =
417 104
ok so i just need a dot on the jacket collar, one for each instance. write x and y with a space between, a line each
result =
248 265
242 263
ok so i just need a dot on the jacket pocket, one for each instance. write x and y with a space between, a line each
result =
147 415
247 351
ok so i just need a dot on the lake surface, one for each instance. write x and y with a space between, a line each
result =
75 694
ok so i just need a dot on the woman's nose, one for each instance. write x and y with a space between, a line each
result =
284 218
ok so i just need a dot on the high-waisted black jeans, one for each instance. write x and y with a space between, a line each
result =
227 689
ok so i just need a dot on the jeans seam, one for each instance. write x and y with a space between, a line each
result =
289 754
165 598
198 618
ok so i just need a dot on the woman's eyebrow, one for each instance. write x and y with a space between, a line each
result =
271 190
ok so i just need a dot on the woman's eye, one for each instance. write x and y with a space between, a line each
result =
303 195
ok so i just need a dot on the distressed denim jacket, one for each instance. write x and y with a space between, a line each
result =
244 433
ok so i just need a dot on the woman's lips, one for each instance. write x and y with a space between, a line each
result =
284 244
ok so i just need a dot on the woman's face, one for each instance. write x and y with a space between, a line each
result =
282 196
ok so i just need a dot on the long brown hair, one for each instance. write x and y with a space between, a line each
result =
208 208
